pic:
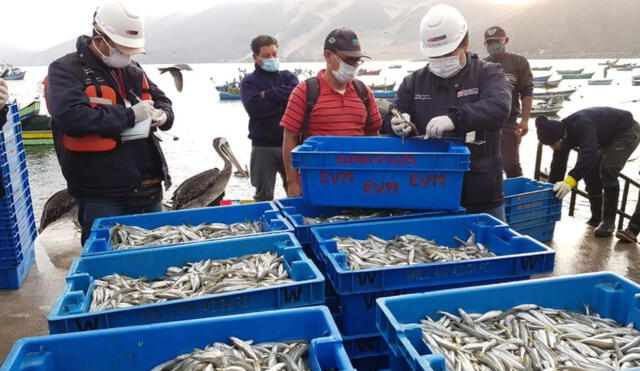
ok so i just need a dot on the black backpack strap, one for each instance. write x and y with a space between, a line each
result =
313 93
363 93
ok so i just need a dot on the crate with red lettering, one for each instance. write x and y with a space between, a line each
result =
381 172
516 257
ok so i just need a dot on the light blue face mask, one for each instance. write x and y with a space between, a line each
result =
271 64
495 49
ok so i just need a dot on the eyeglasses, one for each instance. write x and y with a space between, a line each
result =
352 61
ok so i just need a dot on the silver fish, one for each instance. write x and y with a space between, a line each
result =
355 214
129 237
243 355
375 252
529 337
195 279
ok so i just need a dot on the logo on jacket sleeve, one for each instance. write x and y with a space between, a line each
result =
467 92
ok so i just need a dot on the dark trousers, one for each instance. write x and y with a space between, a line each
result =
266 162
611 160
92 208
511 150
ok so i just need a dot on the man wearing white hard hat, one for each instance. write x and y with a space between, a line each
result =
457 95
105 111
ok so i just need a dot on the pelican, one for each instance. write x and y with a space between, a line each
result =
60 205
176 73
207 188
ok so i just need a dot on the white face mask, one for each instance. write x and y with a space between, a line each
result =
445 67
345 73
116 58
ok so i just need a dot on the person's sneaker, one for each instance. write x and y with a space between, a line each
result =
593 222
626 236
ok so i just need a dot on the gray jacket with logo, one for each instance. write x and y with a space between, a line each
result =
477 99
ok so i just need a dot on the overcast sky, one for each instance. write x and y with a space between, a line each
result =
45 23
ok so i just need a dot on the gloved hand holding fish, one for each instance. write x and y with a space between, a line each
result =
376 252
272 356
206 277
530 337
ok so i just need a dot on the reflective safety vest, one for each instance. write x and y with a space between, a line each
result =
100 94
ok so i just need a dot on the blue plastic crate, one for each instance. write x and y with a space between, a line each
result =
523 190
397 318
371 363
12 277
528 223
534 213
381 172
14 159
365 346
295 209
11 248
541 232
144 347
70 312
267 213
518 257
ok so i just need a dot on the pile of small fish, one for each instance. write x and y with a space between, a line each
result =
408 249
130 237
242 356
201 278
348 215
529 337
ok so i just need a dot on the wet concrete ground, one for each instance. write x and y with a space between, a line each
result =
24 312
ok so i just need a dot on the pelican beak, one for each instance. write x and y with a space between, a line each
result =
232 157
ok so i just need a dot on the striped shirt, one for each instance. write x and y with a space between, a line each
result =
333 114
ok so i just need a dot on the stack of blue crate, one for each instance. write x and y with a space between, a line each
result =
531 207
17 222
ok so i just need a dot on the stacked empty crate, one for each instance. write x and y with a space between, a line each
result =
17 222
531 207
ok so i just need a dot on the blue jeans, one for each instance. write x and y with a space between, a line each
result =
92 208
498 213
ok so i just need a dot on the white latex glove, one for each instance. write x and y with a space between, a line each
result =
438 125
158 119
400 126
4 93
561 189
143 110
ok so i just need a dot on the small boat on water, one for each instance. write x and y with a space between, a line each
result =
229 96
550 94
541 78
626 67
36 128
395 66
364 72
600 82
549 84
550 108
13 73
578 76
635 80
545 68
385 94
570 72
383 87
30 110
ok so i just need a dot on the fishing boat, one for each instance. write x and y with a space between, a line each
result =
549 84
14 73
609 63
541 78
550 94
36 130
383 87
570 72
600 82
395 66
29 111
551 108
364 72
635 80
385 94
628 67
578 76
545 68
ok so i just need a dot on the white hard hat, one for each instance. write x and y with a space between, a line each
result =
441 30
121 24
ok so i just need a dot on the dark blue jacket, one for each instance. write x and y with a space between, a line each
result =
588 130
477 99
265 113
119 172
